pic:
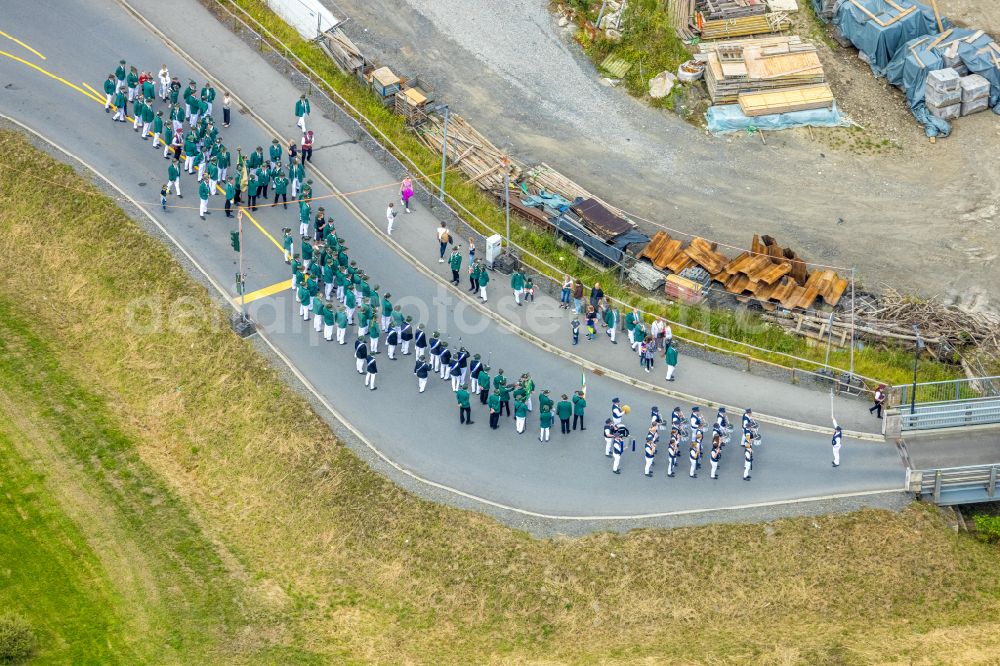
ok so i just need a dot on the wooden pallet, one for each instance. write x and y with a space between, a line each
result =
785 100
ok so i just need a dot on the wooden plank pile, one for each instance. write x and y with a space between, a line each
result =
749 66
544 177
681 13
716 10
767 273
802 98
343 52
469 150
759 24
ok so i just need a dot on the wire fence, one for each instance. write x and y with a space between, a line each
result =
795 367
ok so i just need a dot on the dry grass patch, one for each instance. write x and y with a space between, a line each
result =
361 570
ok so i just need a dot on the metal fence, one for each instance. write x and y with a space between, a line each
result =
950 390
955 485
950 414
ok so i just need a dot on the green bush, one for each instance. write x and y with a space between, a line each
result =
988 528
17 639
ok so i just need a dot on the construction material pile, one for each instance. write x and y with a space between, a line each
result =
910 45
468 150
765 75
720 19
767 273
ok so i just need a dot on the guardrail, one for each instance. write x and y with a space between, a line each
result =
950 390
950 414
839 378
955 485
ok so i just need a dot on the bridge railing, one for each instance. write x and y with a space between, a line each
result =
960 414
949 390
955 485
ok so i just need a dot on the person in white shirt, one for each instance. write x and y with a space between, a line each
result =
443 239
390 216
164 76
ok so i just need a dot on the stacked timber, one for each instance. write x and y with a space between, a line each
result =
681 13
749 66
545 178
760 24
720 10
468 150
767 273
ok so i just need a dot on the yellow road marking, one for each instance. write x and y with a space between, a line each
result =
18 41
51 75
266 291
263 230
91 89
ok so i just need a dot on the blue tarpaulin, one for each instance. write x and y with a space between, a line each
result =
878 42
728 118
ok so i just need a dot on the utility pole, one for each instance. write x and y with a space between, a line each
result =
241 278
444 150
506 195
916 356
852 322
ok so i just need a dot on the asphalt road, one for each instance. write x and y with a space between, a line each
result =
569 476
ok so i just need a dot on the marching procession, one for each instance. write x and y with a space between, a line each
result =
332 291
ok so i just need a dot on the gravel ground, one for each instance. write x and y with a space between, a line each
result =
520 79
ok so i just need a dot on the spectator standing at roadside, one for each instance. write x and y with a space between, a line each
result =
567 289
578 297
656 332
879 399
671 360
226 102
596 296
443 238
307 147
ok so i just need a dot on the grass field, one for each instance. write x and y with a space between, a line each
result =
167 499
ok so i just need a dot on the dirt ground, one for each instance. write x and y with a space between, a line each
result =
921 217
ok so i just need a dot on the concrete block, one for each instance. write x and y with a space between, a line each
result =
942 98
974 87
975 106
961 69
943 79
949 112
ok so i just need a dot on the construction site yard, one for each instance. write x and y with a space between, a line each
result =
879 196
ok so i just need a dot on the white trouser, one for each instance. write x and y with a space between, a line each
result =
671 461
295 187
445 370
370 379
543 434
328 331
421 352
145 129
474 389
202 207
201 170
306 263
341 332
209 109
188 163
421 383
519 423
617 461
613 332
389 228
156 140
223 173
406 347
119 114
107 103
456 381
528 403
177 185
340 293
715 468
212 189
131 94
482 293
649 464
670 372
607 445
385 321
836 454
303 228
136 120
374 345
166 148
746 469
178 126
517 295
350 315
163 87
435 362
327 288
360 365
694 464
317 323
304 310
288 255
301 122
391 350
